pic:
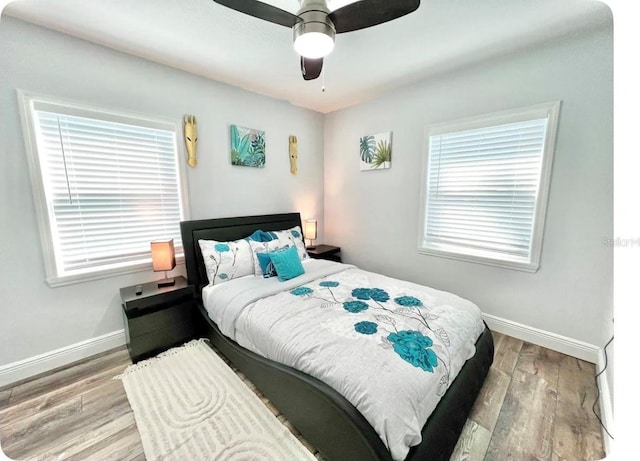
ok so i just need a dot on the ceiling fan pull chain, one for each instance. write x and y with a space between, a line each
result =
324 71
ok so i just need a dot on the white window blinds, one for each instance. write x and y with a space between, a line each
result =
483 189
111 183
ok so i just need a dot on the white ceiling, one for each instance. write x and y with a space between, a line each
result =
204 38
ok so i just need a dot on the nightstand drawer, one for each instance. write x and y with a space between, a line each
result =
333 257
159 340
153 298
160 319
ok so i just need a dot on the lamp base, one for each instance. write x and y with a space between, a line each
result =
311 247
166 283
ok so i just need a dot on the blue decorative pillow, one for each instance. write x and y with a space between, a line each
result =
260 236
267 236
266 265
287 263
263 247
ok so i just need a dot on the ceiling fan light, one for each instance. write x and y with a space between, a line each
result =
314 34
313 45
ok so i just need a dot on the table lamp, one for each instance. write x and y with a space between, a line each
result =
311 231
163 257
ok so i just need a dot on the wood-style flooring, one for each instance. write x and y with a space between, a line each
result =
536 404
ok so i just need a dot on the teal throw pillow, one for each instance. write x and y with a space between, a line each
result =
260 236
287 263
266 265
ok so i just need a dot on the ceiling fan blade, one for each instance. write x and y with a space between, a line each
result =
311 68
367 13
262 11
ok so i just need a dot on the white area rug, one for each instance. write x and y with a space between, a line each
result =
189 405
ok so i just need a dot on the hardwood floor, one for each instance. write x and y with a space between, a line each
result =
535 405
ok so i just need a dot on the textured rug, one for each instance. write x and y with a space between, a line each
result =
189 405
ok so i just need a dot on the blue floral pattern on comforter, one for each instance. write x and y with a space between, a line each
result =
411 346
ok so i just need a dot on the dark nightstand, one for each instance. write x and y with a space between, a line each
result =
158 318
325 252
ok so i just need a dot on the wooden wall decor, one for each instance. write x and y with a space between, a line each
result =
191 139
293 154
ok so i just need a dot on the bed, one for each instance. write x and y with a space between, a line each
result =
327 419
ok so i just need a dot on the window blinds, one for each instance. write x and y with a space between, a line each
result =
482 186
111 187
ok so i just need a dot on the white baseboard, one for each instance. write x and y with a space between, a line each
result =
32 366
606 404
572 347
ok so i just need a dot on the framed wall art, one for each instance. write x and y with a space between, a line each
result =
248 147
375 151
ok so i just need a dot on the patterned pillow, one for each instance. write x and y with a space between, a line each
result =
292 237
226 260
263 247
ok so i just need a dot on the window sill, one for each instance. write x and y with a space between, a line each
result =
81 277
531 267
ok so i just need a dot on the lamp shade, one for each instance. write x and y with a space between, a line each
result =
163 255
311 229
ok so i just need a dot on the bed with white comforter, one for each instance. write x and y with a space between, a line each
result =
388 346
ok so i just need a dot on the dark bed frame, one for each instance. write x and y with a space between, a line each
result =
324 417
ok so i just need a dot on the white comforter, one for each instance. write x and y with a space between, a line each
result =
388 346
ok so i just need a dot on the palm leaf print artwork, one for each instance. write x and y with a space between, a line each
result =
375 152
248 147
382 155
367 146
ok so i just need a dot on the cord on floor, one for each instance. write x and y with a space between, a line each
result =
606 362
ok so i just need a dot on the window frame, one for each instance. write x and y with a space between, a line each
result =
26 101
548 110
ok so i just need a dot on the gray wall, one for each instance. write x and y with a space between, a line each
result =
374 215
35 318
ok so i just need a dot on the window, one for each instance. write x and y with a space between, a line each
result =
105 186
485 187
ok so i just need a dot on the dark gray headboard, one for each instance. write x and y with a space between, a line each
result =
225 229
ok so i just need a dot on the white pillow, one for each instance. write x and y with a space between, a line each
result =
263 247
293 237
226 260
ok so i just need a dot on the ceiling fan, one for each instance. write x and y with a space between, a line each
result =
315 26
